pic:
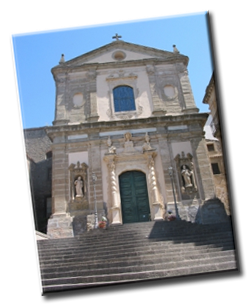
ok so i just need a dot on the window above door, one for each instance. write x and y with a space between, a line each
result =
124 99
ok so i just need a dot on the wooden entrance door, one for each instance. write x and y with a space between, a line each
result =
134 197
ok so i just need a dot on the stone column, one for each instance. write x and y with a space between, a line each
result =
115 205
157 202
116 215
113 184
158 107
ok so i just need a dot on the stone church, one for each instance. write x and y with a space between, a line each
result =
127 141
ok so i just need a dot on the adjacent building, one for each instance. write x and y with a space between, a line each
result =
215 146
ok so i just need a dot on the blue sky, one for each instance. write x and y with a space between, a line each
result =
36 53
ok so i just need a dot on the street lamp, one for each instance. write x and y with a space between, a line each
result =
171 174
94 178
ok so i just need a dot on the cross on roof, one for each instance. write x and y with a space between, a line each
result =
116 37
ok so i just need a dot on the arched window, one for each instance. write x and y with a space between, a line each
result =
124 98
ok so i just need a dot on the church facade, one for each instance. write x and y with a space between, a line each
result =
127 140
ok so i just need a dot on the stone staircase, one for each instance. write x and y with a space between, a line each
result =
135 252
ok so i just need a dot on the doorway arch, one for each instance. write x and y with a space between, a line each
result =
134 197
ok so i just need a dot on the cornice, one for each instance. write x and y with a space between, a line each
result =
65 68
97 127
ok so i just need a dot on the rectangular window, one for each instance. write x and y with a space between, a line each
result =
215 168
210 147
124 98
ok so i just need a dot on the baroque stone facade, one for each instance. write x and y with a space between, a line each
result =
126 113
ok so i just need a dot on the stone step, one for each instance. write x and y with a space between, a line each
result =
135 252
84 282
152 227
50 271
136 255
125 269
149 228
107 235
131 244
95 245
48 249
95 252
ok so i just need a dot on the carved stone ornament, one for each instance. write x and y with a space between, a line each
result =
186 174
132 159
111 148
150 69
146 146
128 136
78 186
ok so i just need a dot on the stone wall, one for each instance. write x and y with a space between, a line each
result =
215 154
37 145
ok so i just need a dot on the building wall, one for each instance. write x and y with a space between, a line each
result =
37 143
41 192
219 174
38 148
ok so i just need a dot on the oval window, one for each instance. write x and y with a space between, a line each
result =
118 55
78 99
169 91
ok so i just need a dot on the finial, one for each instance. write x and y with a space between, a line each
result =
116 37
147 139
62 60
175 49
109 142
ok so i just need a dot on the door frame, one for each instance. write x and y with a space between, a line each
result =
146 180
136 161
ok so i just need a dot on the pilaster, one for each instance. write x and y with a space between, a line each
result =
205 181
60 107
158 107
94 152
190 106
93 112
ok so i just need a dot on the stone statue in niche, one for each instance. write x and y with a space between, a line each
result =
79 187
187 174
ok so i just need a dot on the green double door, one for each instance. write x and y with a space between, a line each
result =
134 197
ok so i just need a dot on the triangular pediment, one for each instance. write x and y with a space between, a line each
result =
119 51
